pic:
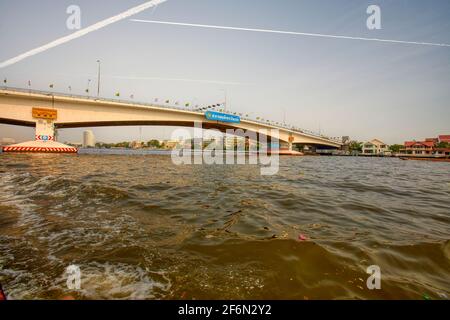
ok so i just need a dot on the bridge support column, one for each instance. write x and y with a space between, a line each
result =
290 143
45 130
287 146
44 141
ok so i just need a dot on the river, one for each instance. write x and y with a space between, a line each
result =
140 227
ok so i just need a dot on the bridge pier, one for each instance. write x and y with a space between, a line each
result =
286 146
286 149
44 142
45 130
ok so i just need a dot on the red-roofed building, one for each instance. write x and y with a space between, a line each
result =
444 138
418 147
427 147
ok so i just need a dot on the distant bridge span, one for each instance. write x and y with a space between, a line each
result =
16 108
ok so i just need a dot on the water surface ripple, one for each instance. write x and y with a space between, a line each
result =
141 227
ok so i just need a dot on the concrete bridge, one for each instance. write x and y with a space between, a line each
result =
47 112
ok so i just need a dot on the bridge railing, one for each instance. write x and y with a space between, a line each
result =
170 107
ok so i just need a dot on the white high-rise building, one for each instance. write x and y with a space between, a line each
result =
88 139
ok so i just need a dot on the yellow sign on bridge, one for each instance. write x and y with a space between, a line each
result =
49 114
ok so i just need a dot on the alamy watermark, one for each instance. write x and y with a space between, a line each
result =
209 146
73 277
73 22
374 280
374 20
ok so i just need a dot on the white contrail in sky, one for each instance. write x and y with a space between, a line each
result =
83 32
178 79
291 33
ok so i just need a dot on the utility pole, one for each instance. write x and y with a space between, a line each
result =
98 79
88 87
226 100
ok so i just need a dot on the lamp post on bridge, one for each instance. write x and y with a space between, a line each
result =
88 86
98 79
226 98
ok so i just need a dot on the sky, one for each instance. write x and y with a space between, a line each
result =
340 87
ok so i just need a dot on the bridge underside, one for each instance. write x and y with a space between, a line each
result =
47 112
205 125
222 127
18 122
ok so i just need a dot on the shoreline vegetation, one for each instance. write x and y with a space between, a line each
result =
352 148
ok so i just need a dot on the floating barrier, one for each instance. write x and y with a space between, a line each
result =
40 150
40 147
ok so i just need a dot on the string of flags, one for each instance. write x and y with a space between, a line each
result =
117 94
218 106
188 104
